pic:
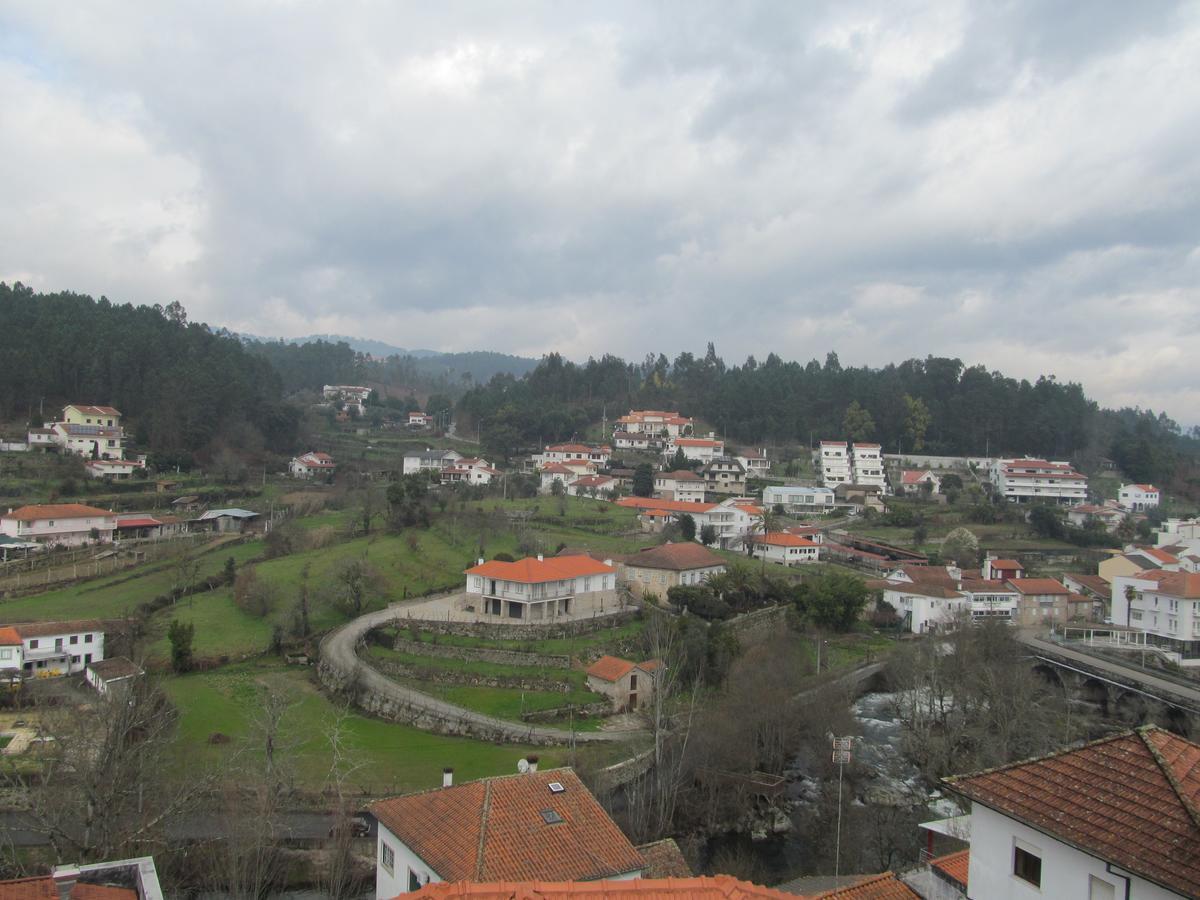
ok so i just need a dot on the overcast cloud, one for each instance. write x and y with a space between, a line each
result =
1013 183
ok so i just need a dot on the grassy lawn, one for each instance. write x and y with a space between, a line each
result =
998 536
391 758
119 594
574 677
509 703
571 646
221 628
845 651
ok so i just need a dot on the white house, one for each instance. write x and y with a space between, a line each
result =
1166 606
535 826
636 440
592 486
866 465
927 598
94 432
913 481
119 469
352 396
418 419
566 472
1082 514
45 649
683 484
312 465
785 548
628 684
113 674
834 459
655 422
724 475
599 455
430 460
1138 497
1029 480
755 463
531 590
799 499
695 449
1113 819
469 470
69 524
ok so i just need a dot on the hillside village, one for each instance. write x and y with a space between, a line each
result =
564 608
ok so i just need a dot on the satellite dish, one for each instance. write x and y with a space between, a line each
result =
522 765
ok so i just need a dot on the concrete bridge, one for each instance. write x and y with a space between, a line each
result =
1121 691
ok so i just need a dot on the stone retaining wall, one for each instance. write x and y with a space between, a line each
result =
759 625
480 654
469 679
600 708
499 632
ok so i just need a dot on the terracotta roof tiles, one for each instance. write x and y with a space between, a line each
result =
679 557
714 887
57 511
880 887
531 570
954 866
44 888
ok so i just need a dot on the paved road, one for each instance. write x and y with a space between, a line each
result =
1151 683
338 651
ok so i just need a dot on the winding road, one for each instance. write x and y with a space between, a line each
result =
338 651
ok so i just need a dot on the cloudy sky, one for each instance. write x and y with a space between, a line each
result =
1013 183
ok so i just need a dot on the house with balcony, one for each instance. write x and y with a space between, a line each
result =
1114 819
658 569
1166 606
430 460
682 484
1138 497
724 475
1030 480
991 600
598 455
834 459
566 472
66 524
866 466
702 450
655 422
798 499
312 465
50 649
784 548
755 462
539 590
468 470
93 432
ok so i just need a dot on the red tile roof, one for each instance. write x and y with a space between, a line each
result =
686 506
1038 586
1006 564
697 442
531 570
50 629
880 887
56 511
664 859
9 636
1132 799
954 866
44 888
713 887
679 475
138 522
782 539
1185 585
95 410
674 557
493 830
610 668
913 476
1157 555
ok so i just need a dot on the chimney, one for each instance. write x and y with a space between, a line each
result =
448 777
64 880
541 558
480 562
533 761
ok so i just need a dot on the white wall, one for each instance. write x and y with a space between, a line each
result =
396 882
1065 870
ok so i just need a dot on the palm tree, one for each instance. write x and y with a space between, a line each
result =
766 522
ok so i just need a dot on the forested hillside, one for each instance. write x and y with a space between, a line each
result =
180 385
935 405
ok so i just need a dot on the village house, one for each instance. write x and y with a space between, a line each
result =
109 676
1035 480
866 466
654 514
142 526
1000 569
834 460
1091 586
724 475
1115 818
67 524
918 482
565 472
1135 558
93 432
1166 606
731 519
552 453
531 590
658 569
418 419
784 548
682 484
468 470
655 422
1081 514
46 649
113 469
695 449
126 879
637 440
689 887
755 463
1138 497
593 486
353 397
626 684
926 598
798 500
312 465
535 826
430 461
223 521
1042 601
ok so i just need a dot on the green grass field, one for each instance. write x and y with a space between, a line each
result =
570 646
390 758
222 630
574 678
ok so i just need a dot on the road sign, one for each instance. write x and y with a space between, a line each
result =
843 743
841 757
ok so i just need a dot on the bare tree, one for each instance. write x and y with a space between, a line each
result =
339 876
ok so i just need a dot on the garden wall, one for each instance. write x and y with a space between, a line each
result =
481 654
498 632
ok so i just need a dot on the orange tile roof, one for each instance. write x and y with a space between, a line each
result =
9 636
954 866
782 539
95 410
674 557
679 475
493 830
1185 585
1038 586
664 859
687 506
697 442
1132 799
1006 564
531 570
712 887
610 668
44 888
879 887
1156 554
57 511
49 629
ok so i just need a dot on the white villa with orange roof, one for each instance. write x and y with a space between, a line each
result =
44 649
785 548
1138 497
312 465
68 524
468 470
1166 606
557 453
655 422
93 432
913 481
696 449
1030 480
565 471
684 485
532 591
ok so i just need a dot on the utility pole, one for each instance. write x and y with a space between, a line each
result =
841 756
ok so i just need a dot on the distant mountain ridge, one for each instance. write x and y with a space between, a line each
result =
359 345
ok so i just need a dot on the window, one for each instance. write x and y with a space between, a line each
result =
33 644
1027 866
414 881
5 653
87 657
87 638
74 639
633 682
387 857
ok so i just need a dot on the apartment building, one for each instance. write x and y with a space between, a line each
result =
1030 480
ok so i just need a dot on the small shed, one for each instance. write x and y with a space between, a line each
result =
115 674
